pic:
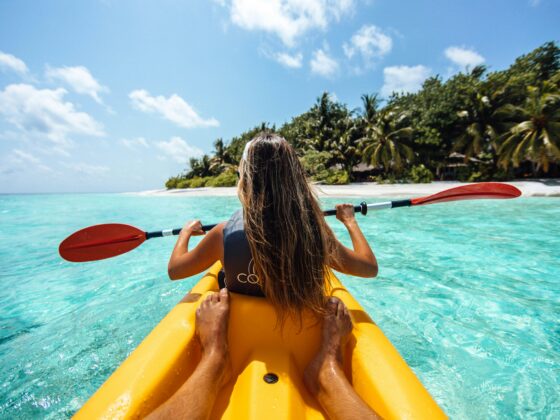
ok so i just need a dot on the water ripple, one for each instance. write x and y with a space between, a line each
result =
468 293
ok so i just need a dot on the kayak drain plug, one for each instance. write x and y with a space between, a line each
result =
270 378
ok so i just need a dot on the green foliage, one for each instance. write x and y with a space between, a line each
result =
385 179
539 65
504 123
184 183
222 159
315 164
201 167
225 179
487 173
337 177
198 182
172 182
325 127
419 174
533 129
386 140
194 182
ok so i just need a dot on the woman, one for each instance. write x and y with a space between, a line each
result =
279 246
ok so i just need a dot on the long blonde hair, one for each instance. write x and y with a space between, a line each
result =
290 242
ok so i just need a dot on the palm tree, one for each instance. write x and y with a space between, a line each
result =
344 147
385 142
200 167
371 103
533 130
367 123
326 123
221 160
478 128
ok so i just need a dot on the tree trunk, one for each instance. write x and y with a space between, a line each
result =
534 168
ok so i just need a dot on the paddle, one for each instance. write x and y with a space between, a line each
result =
109 240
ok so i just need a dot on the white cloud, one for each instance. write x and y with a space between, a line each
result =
178 149
87 169
21 161
292 61
323 65
12 63
287 19
23 158
464 57
44 112
370 42
135 143
79 79
403 79
174 109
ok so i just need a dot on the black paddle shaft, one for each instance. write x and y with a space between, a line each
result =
170 232
362 208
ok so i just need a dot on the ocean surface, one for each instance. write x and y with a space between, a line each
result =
468 292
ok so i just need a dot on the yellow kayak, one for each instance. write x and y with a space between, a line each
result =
260 354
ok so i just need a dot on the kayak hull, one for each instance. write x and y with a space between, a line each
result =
258 347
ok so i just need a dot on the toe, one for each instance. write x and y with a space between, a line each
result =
339 308
332 305
214 298
224 296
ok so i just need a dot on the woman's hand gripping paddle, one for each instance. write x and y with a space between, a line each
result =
109 240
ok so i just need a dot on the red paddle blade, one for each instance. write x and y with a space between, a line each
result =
100 241
470 192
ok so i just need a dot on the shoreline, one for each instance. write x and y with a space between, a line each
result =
533 188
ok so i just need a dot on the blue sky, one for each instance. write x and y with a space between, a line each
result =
116 95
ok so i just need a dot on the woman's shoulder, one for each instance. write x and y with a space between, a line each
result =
220 226
235 221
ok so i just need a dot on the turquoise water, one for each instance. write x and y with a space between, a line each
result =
468 292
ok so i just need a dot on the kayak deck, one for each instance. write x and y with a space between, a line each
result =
170 353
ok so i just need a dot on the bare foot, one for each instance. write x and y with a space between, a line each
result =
212 318
337 324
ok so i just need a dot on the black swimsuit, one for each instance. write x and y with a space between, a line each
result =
238 262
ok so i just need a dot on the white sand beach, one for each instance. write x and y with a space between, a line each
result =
532 188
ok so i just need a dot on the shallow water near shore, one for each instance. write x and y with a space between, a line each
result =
468 292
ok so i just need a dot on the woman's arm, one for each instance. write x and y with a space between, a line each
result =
361 260
184 263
